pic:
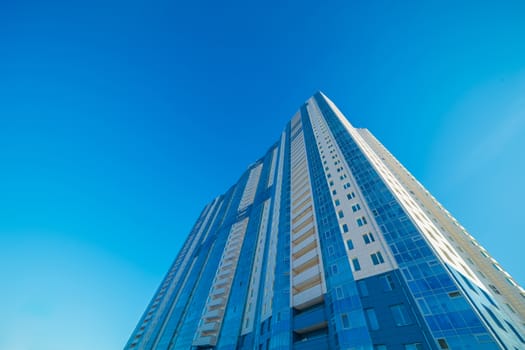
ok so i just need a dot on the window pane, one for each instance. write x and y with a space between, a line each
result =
346 323
372 319
356 264
388 283
400 314
515 332
494 318
363 290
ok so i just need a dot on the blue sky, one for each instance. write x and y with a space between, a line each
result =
120 120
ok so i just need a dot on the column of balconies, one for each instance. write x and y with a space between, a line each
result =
307 274
212 317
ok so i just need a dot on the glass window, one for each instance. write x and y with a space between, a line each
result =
356 264
340 214
401 315
511 308
345 228
388 283
361 221
368 238
363 289
371 319
494 289
454 294
497 267
511 281
468 283
350 244
494 318
339 292
337 202
377 258
414 346
443 343
346 322
515 332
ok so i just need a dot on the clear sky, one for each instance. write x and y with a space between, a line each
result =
120 120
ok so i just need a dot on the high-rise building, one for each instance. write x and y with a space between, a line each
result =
328 242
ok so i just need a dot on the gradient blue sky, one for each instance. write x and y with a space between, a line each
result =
120 120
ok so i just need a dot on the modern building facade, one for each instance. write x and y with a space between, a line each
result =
328 242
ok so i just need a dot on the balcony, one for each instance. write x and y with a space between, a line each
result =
209 327
318 343
308 297
301 268
214 315
312 254
210 340
298 206
306 276
225 273
297 233
230 256
221 282
298 218
310 320
234 244
299 197
216 302
309 241
299 194
219 292
304 221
